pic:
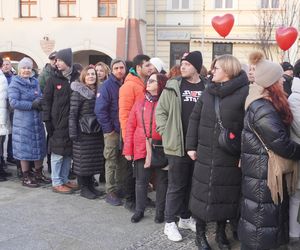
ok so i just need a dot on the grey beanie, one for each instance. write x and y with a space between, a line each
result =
65 55
117 60
267 73
26 62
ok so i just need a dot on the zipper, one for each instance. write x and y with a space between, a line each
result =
211 169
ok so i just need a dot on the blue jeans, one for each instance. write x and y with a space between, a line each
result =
60 166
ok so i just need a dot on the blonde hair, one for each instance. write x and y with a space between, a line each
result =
230 65
105 68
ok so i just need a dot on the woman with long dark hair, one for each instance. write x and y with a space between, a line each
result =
141 126
264 224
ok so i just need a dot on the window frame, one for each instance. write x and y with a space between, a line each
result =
179 54
29 3
223 5
214 53
67 3
270 4
170 5
108 3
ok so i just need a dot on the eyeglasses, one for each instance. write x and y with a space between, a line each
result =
151 81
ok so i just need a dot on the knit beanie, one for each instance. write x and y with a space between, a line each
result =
26 62
52 55
267 73
194 58
66 56
286 66
157 63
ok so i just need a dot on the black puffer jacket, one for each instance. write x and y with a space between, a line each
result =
56 108
216 181
263 225
87 148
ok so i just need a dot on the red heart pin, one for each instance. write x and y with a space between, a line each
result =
58 87
231 136
223 24
285 37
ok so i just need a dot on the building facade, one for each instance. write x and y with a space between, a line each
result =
178 26
96 30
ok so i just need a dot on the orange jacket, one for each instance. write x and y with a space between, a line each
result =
132 90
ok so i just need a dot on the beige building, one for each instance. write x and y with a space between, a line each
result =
96 30
177 26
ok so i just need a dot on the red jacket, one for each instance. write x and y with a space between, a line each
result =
135 139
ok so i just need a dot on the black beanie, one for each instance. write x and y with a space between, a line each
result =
194 58
65 55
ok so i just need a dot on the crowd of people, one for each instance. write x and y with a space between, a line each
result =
215 145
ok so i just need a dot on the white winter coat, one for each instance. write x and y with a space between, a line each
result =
3 104
294 102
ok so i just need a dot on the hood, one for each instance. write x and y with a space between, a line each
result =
83 90
255 92
229 87
296 85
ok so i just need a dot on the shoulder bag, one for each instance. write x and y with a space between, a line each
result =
158 158
277 168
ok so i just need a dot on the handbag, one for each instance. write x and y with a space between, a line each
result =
158 158
229 141
89 125
279 167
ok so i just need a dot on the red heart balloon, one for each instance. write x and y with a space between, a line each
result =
223 24
285 37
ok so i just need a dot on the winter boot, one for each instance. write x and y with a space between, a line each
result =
29 181
201 240
85 191
92 188
40 176
221 237
3 173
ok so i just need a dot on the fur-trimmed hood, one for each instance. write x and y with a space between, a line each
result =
83 90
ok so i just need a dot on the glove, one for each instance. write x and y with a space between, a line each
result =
49 128
37 105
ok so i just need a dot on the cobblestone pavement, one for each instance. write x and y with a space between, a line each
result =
38 219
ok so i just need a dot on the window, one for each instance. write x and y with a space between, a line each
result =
180 4
221 49
274 4
28 8
107 8
67 8
176 52
223 4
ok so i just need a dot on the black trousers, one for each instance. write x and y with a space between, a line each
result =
143 176
179 188
129 182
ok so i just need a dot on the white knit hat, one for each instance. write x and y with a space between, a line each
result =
158 64
267 73
25 62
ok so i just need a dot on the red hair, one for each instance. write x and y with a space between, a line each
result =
280 102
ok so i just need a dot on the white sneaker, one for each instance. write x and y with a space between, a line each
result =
172 232
189 223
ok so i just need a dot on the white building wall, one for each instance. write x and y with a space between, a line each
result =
84 32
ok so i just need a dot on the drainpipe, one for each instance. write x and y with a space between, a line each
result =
155 29
127 30
203 24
